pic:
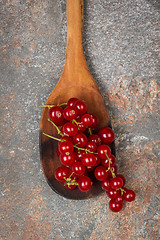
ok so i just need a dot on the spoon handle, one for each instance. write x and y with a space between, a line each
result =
74 49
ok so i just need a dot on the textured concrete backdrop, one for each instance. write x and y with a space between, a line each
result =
121 48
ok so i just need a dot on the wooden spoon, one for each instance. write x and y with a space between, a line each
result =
76 81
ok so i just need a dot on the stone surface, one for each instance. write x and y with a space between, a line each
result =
121 48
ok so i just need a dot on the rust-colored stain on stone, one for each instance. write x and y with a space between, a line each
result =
121 48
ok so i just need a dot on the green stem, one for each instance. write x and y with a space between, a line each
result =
90 131
61 140
49 106
84 149
109 168
58 130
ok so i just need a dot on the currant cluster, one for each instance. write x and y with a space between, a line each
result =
81 150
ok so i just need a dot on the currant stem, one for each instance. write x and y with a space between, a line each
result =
90 131
49 106
84 149
109 168
58 130
122 190
61 140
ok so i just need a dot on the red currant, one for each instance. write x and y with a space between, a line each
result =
67 160
70 113
86 120
105 162
115 206
106 184
66 147
113 193
122 177
81 107
119 199
84 183
103 150
62 172
70 129
72 101
116 183
91 146
57 151
89 160
95 138
79 154
114 170
78 168
106 134
56 115
80 140
66 138
98 160
100 173
95 121
129 195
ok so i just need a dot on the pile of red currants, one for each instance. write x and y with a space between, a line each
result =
81 150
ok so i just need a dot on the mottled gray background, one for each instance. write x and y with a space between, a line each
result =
121 48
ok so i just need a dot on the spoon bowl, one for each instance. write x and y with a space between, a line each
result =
76 81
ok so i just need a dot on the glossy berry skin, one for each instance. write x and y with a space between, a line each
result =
81 107
84 183
66 138
114 170
79 154
113 193
70 113
62 172
66 147
102 150
67 160
129 195
91 146
105 162
86 120
89 160
72 101
70 129
115 206
116 183
95 121
95 138
106 134
98 160
80 139
100 173
78 168
81 127
119 199
106 184
122 177
56 115
70 187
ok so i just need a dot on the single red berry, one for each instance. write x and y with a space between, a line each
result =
81 107
78 168
67 160
106 184
80 140
120 199
70 113
100 173
122 177
98 160
89 160
95 138
105 162
113 193
129 195
79 154
103 150
116 183
106 134
95 121
115 206
70 187
62 172
114 170
84 183
81 127
72 101
70 129
86 120
66 138
91 146
56 115
66 147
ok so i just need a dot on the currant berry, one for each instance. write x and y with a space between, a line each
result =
95 121
89 160
98 160
80 140
116 183
86 120
107 135
70 113
79 154
70 129
84 183
122 177
120 199
62 172
114 171
113 193
95 138
105 162
129 195
78 168
106 184
56 115
65 138
66 147
57 151
103 150
91 146
72 101
100 173
81 107
115 206
67 160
